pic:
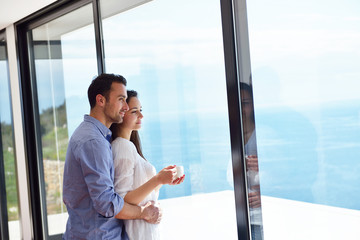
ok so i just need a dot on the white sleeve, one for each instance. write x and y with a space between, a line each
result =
124 163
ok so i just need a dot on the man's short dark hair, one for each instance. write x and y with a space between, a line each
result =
102 85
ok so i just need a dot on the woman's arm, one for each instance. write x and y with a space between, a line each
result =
150 212
165 176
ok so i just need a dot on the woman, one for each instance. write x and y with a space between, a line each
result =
135 178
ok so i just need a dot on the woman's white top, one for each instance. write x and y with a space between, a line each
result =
131 171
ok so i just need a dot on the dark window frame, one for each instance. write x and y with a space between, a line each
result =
4 218
31 115
233 79
4 228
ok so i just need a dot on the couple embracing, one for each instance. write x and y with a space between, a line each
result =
109 188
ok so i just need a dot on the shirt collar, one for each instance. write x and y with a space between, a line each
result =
102 128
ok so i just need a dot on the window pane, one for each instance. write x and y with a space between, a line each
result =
8 150
65 63
171 53
305 62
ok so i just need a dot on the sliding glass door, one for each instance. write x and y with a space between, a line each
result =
305 62
176 64
62 64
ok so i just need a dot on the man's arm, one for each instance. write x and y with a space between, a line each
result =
150 212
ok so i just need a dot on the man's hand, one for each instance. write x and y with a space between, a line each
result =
151 212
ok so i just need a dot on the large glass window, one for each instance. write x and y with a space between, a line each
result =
171 52
65 61
10 216
305 63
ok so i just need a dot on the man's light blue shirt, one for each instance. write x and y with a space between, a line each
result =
88 189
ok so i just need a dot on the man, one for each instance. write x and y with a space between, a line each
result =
94 208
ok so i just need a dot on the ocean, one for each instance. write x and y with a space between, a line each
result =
309 155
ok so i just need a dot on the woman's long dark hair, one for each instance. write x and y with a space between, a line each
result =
134 137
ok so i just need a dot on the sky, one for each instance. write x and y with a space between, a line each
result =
303 53
5 114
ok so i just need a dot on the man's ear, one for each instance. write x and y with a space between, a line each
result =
100 100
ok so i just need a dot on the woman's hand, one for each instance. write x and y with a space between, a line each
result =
254 197
252 163
167 175
179 180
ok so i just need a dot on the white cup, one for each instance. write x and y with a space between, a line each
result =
179 171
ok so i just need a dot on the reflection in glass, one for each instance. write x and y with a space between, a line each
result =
176 64
65 63
305 73
251 159
8 150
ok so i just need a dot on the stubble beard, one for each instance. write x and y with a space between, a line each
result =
115 119
121 119
118 120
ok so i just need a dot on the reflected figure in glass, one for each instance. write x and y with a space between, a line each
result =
251 158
